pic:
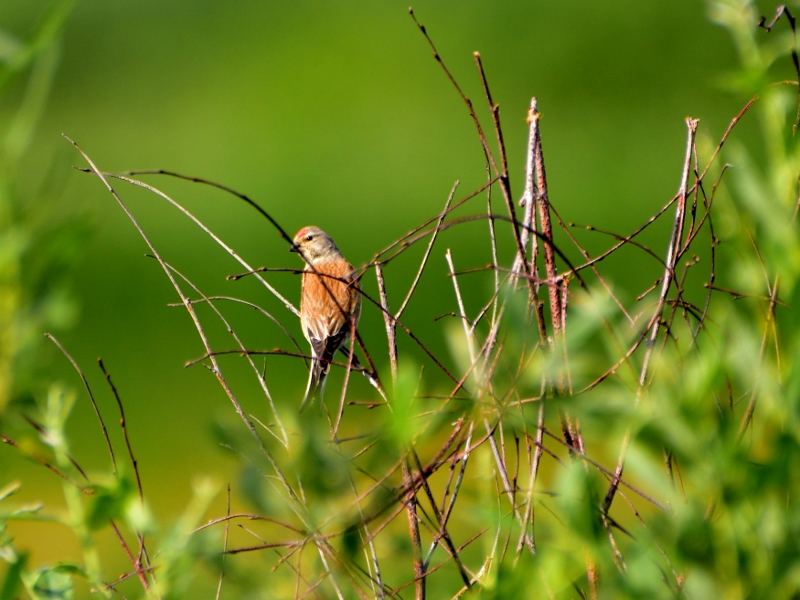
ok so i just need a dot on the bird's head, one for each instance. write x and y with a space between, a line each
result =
314 244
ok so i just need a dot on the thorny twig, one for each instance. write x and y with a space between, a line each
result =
484 347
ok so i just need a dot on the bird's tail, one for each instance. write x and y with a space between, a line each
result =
317 378
316 383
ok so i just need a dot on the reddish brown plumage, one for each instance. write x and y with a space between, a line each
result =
325 312
330 303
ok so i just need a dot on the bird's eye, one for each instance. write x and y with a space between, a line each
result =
309 238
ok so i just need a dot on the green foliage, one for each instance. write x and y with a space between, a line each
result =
110 503
94 507
53 582
182 548
38 246
402 426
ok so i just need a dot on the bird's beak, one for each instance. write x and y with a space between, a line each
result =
294 248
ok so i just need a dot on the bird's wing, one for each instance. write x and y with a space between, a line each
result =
326 313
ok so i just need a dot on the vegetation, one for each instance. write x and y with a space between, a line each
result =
571 442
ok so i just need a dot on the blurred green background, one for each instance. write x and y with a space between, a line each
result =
333 114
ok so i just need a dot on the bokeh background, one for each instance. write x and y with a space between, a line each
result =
333 114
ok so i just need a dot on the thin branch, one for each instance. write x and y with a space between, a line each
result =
391 326
91 398
655 321
413 531
7 440
427 254
284 439
296 503
224 543
289 306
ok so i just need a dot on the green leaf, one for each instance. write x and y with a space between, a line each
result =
51 583
109 503
24 512
401 427
11 489
13 575
139 516
59 405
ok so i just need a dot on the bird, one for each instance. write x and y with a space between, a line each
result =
330 302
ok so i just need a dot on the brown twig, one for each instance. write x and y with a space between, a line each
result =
296 502
507 485
289 306
502 172
391 326
124 426
427 254
413 531
655 321
224 542
91 398
340 412
284 437
43 461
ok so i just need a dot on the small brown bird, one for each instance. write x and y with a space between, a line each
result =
330 303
